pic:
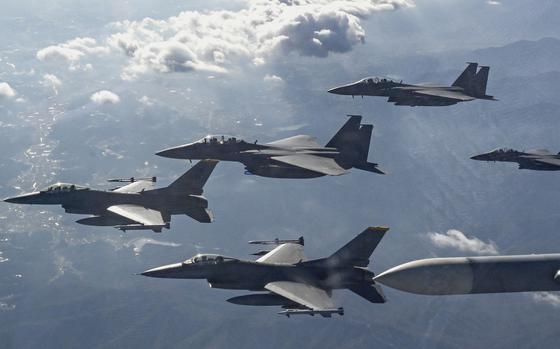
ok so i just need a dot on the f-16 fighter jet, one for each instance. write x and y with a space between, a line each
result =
286 277
135 206
469 85
294 157
538 159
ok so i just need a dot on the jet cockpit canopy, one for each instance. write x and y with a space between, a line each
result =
219 139
63 188
208 259
377 80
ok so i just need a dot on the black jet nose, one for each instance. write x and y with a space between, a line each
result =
22 199
174 153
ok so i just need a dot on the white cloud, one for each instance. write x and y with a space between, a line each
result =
146 101
139 244
214 41
272 78
6 91
73 51
456 239
493 2
548 298
105 97
52 81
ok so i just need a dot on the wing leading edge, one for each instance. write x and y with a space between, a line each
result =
309 296
319 164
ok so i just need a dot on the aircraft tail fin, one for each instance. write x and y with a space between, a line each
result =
195 178
480 82
353 141
467 78
358 251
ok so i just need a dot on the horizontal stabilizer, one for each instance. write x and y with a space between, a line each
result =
371 292
370 167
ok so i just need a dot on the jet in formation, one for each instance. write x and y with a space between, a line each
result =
472 275
135 206
470 85
538 159
285 277
294 157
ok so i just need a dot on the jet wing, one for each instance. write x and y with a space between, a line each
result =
135 187
138 214
284 254
548 161
304 294
326 166
301 141
454 95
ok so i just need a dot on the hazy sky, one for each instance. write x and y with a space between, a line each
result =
91 90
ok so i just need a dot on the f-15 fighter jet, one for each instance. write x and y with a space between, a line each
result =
470 85
294 157
538 159
286 277
135 206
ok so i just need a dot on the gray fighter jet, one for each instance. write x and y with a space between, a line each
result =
134 206
469 85
288 279
538 159
295 157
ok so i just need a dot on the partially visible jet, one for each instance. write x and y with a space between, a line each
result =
469 85
286 277
538 159
294 157
134 206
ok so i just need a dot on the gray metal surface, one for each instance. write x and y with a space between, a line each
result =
294 157
298 285
135 206
470 85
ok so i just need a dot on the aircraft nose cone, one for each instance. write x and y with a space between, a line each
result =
337 90
166 271
170 153
22 199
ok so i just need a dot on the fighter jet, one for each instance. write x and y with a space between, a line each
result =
538 159
286 278
134 206
295 157
469 85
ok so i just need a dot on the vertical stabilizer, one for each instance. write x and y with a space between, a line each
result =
467 78
357 252
481 79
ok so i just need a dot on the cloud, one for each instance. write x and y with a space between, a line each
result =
72 50
548 298
105 97
52 81
139 244
493 2
458 240
272 78
6 91
215 41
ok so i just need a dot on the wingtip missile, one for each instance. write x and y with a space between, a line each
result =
312 312
132 179
299 241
